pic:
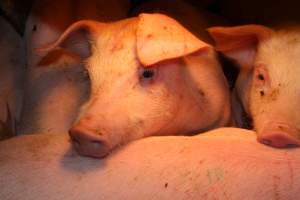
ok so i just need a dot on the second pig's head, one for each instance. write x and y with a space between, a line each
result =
149 76
268 84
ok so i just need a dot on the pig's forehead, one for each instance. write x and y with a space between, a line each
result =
283 47
151 44
281 56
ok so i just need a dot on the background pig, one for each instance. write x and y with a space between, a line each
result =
225 163
149 76
53 95
268 84
12 67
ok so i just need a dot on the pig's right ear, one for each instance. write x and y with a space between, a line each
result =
240 42
75 43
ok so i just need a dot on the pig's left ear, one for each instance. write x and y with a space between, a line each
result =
75 42
240 42
160 37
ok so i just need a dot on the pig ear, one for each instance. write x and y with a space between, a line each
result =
240 42
160 37
75 43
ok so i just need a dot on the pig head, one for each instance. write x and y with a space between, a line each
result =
149 76
268 85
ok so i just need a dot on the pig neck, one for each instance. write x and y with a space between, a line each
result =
239 117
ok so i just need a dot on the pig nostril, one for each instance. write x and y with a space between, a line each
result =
266 142
291 146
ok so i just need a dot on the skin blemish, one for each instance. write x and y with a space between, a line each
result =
201 92
149 36
117 47
274 94
165 27
215 175
261 77
262 93
166 185
276 180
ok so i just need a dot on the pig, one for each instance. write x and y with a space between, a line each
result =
149 76
12 65
225 163
268 84
195 19
54 94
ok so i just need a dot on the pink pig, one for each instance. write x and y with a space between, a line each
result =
54 94
149 76
268 85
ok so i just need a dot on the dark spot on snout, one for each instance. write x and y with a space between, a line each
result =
34 28
165 27
262 93
166 185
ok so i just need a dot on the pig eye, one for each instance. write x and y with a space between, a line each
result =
147 74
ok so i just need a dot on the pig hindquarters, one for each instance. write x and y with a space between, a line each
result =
12 65
268 85
149 76
54 94
225 163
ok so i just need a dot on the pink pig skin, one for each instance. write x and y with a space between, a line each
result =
186 92
54 94
224 163
12 67
268 84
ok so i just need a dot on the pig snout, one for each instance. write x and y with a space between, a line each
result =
279 135
89 143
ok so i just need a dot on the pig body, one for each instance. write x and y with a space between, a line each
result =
224 163
12 66
54 94
268 86
149 76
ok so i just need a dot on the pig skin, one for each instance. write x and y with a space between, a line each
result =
224 163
